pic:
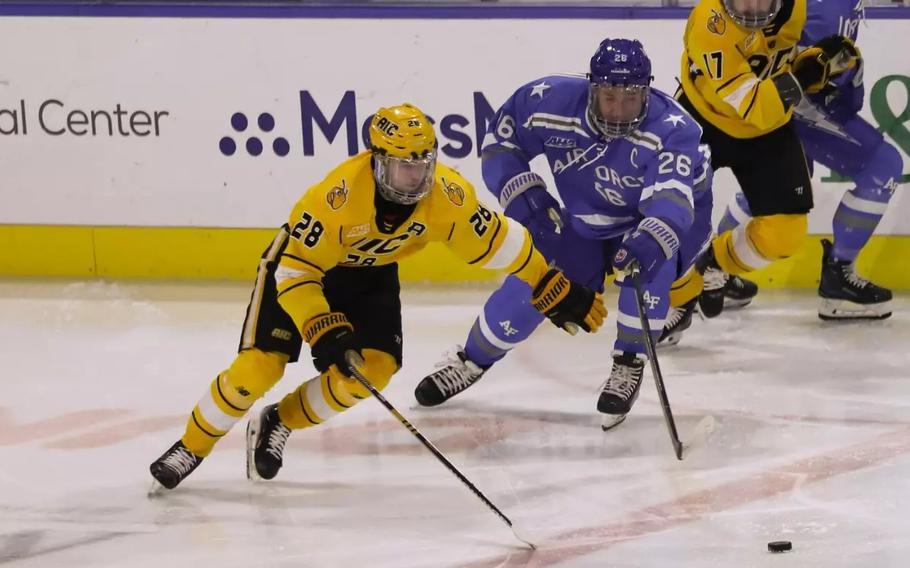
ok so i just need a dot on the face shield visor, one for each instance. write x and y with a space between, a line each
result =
752 13
617 110
405 180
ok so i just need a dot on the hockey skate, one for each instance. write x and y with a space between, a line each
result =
847 296
620 390
711 299
678 320
456 373
266 437
172 467
738 292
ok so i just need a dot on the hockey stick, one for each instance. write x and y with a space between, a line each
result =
355 362
706 425
655 366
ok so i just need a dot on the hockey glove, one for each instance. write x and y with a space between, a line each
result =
330 336
568 304
532 209
811 69
841 52
651 245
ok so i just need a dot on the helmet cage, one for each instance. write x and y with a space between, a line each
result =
612 127
757 18
389 171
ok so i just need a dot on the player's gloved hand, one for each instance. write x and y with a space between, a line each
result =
848 58
533 210
651 245
841 52
568 304
811 69
330 336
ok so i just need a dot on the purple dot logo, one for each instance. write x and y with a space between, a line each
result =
238 121
254 144
227 146
266 122
281 147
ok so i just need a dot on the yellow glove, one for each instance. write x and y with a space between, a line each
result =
567 304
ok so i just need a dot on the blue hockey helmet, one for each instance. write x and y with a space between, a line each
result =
620 86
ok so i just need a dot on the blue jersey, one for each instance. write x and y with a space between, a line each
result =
831 17
607 186
836 17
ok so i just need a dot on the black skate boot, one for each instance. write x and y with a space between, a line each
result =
455 374
738 292
266 437
678 320
173 466
846 295
711 299
621 389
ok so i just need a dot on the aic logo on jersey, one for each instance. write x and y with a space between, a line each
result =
453 191
340 122
716 23
338 196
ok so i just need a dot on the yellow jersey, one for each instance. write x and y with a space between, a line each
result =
335 224
727 69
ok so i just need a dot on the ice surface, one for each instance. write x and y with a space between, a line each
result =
811 444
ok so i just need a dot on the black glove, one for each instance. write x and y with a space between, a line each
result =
811 69
330 336
833 45
568 304
841 52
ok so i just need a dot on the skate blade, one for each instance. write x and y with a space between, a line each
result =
670 340
611 421
733 304
831 310
252 433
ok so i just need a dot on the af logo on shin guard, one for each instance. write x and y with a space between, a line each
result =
650 299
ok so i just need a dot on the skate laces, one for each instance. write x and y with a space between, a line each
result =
180 460
278 437
454 374
714 279
622 381
853 278
675 316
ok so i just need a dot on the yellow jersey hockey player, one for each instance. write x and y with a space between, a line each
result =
741 76
330 278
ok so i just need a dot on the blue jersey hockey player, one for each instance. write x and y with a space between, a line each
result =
834 135
635 184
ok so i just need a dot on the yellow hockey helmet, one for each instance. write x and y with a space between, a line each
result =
404 153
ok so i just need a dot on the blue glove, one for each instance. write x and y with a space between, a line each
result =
650 246
532 209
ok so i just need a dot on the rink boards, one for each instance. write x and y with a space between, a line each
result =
162 146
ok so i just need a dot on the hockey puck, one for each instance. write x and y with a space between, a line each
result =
780 546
